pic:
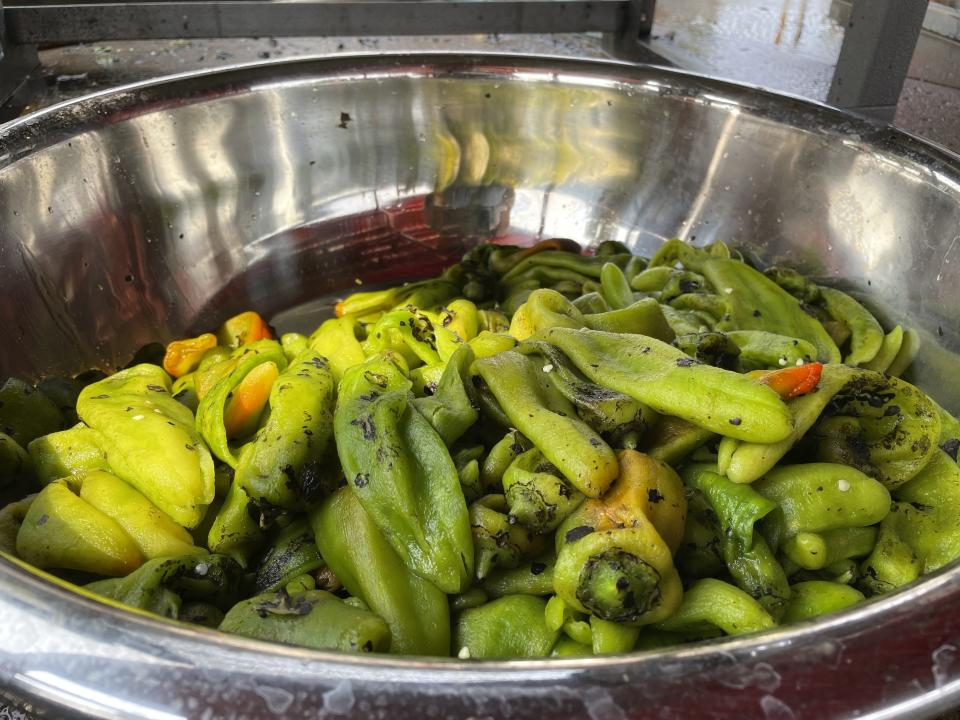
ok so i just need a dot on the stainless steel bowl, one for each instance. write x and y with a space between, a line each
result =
158 208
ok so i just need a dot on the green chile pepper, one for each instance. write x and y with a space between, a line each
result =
673 438
294 344
235 531
757 572
816 497
761 350
501 455
643 317
615 287
68 452
539 497
411 333
609 638
357 551
11 518
161 585
498 542
467 462
336 340
866 335
402 472
889 348
813 551
700 554
492 321
753 301
815 598
611 560
651 279
880 425
532 577
893 563
284 464
450 409
185 391
542 414
751 563
474 597
591 302
581 264
605 410
738 507
292 553
61 530
566 647
213 404
907 353
671 383
314 619
153 531
744 462
150 440
508 627
709 348
711 603
27 413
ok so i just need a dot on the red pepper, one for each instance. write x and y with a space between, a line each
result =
792 382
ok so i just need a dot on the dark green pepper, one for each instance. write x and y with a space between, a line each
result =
539 497
292 553
401 471
508 627
314 619
366 564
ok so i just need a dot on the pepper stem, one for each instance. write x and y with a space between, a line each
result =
618 586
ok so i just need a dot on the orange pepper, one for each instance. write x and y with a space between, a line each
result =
792 382
183 356
249 398
243 329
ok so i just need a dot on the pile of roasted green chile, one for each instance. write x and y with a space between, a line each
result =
537 453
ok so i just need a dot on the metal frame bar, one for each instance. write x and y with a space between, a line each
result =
70 22
878 46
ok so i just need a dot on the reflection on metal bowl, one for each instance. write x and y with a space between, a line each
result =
160 208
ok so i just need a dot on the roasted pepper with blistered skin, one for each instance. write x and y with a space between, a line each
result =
670 382
401 471
880 425
498 542
543 415
539 497
287 461
611 560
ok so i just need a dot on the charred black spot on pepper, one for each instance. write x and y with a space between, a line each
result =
537 567
157 388
361 480
685 362
735 421
654 496
577 533
367 428
950 447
